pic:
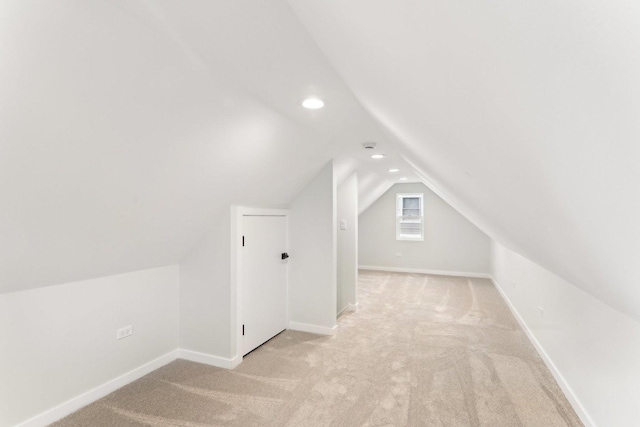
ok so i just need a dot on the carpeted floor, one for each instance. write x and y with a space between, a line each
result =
421 351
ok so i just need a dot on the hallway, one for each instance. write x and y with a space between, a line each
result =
421 350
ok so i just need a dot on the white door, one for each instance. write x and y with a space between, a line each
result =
264 279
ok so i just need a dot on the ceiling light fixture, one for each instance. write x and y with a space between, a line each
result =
394 170
378 156
313 103
404 178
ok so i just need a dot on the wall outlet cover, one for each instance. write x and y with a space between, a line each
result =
124 332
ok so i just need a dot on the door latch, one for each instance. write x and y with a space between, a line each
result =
284 255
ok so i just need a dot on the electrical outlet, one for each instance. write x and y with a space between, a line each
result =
541 310
124 332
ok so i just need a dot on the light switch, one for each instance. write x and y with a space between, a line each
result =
343 224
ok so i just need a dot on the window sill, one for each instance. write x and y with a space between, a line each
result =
411 239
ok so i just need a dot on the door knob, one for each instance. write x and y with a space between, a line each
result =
284 255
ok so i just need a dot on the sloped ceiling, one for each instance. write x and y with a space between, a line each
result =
524 115
126 127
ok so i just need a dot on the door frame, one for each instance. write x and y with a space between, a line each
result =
237 213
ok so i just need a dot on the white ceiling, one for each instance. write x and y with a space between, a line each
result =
126 126
524 116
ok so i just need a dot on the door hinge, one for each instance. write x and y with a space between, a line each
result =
242 330
243 241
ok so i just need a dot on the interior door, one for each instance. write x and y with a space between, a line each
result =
264 279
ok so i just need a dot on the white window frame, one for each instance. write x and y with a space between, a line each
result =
400 218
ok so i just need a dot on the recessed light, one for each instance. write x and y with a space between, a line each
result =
378 156
394 170
404 178
313 103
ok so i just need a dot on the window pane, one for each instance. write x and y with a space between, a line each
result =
411 203
411 212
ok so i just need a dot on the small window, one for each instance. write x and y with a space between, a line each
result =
409 217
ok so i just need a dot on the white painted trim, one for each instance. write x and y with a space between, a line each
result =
423 271
566 388
236 273
349 308
58 412
236 361
313 329
245 211
209 359
343 310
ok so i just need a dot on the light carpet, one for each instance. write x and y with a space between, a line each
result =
421 351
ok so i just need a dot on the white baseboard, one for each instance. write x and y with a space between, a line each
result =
313 329
209 359
235 362
349 308
566 388
423 271
58 412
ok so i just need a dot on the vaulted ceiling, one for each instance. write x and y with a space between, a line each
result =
125 127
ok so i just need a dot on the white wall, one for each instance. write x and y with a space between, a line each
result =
312 242
533 111
347 248
594 347
58 342
205 295
451 242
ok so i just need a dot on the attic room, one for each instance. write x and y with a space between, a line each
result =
448 190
